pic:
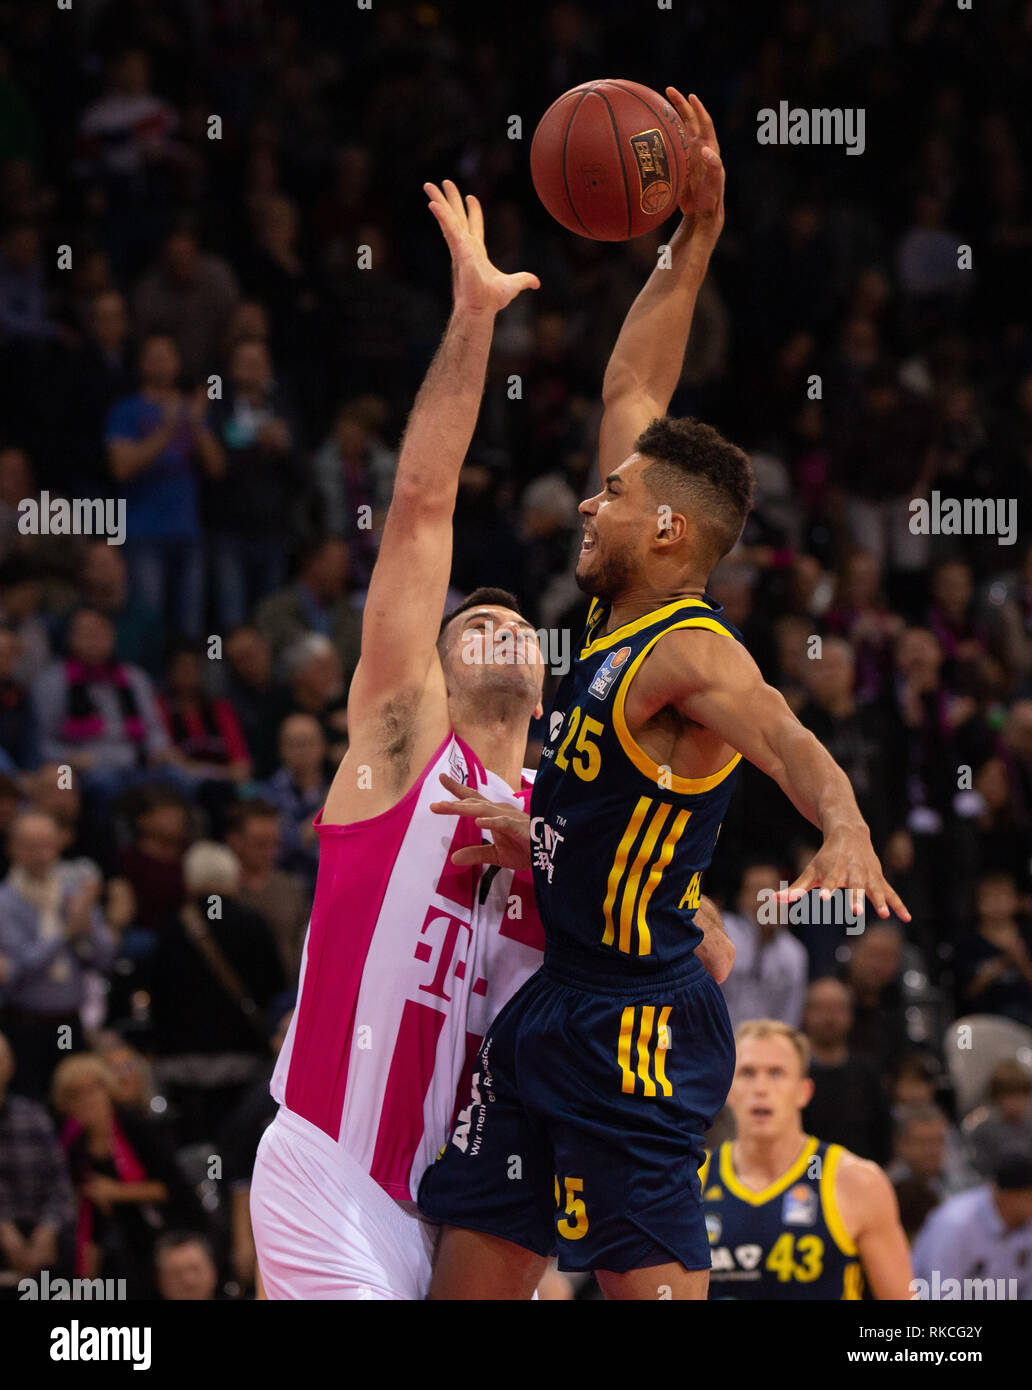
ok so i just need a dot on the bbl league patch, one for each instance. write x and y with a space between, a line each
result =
800 1206
607 673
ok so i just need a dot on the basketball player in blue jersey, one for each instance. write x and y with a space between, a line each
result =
598 1080
787 1215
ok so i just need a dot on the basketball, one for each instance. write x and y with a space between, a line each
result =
609 159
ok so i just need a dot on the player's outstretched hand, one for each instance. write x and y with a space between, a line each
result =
847 860
478 287
509 827
703 197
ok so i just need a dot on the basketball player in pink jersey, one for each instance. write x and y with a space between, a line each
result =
409 955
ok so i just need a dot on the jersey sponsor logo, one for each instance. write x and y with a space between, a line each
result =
457 765
799 1207
545 843
714 1226
555 723
743 1263
607 673
462 1125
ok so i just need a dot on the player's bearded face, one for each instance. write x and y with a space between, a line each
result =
613 546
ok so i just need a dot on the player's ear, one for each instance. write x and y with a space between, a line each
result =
670 525
806 1090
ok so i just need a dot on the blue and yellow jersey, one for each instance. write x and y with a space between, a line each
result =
788 1241
619 843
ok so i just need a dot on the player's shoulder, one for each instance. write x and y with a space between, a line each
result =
862 1187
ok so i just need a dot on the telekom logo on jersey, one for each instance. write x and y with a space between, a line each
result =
449 940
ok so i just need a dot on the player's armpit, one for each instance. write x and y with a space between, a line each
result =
869 1208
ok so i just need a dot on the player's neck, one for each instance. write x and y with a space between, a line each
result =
762 1161
639 600
498 738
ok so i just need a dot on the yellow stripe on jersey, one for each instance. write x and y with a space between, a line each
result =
662 777
619 864
643 1048
623 1051
648 1013
665 855
829 1202
704 1170
757 1199
609 639
630 891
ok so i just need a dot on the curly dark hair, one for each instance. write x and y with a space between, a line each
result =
693 464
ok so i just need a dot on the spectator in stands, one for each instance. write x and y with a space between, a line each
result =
52 931
128 1184
873 974
983 1233
159 443
261 701
185 1268
139 629
281 899
317 688
853 734
152 862
769 978
222 957
92 378
20 610
35 1189
1005 1124
97 714
18 738
849 1105
354 472
250 504
190 296
298 789
995 961
860 614
920 1151
207 741
317 601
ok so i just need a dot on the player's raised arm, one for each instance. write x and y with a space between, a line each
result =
646 363
410 577
715 682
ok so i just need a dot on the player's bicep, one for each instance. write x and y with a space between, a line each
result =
721 688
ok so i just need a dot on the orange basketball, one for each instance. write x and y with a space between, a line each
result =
609 159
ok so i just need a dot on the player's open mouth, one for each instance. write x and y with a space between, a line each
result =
760 1112
588 543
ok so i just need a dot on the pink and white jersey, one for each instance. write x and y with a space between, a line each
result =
407 960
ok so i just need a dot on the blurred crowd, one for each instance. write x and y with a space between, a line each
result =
219 291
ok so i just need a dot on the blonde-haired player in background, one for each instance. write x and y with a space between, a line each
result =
788 1215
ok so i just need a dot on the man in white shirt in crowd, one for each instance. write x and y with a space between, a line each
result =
769 978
